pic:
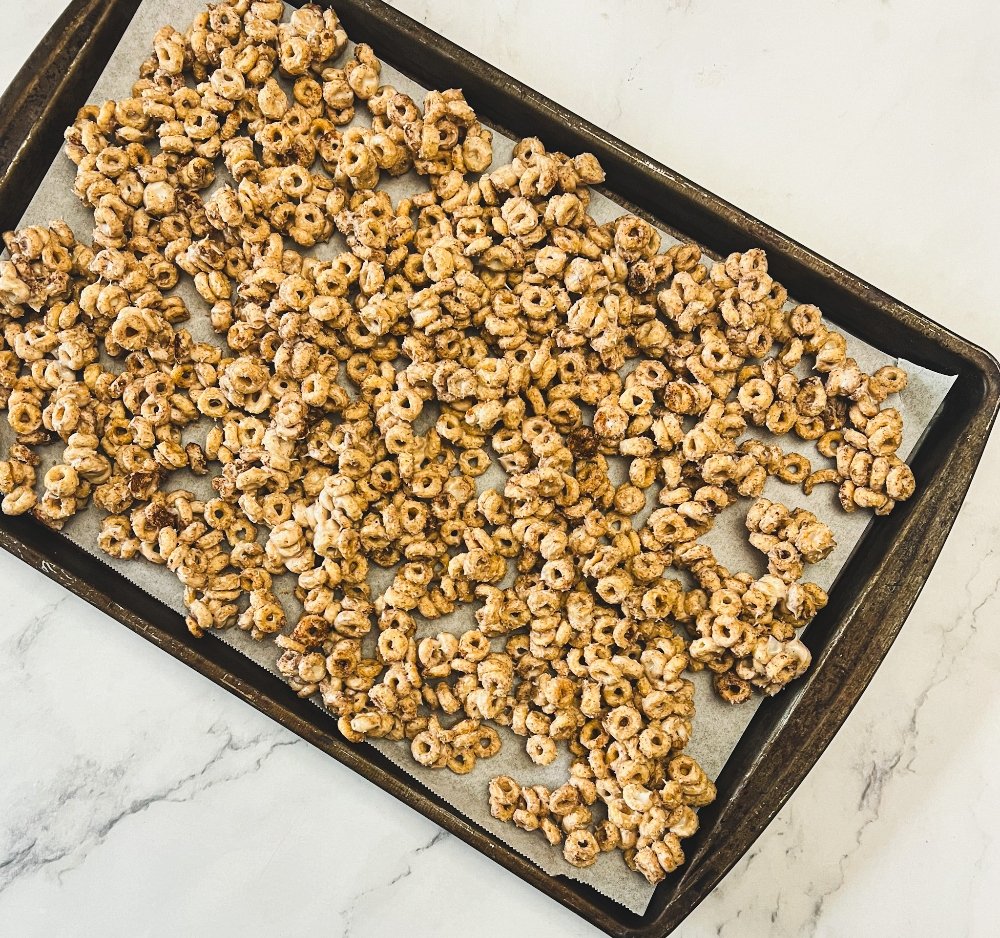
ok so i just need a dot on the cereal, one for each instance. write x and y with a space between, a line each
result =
352 401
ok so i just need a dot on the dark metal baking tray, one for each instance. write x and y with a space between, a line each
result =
873 595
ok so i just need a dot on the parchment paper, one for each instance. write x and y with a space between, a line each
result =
717 726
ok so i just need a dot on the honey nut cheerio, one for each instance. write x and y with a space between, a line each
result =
351 403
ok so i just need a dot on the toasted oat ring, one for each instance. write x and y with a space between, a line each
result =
829 442
794 468
732 688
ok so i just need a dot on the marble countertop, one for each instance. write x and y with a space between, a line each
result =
138 799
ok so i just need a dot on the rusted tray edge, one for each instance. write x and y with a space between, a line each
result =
979 380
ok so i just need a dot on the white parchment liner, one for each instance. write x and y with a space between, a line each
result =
717 726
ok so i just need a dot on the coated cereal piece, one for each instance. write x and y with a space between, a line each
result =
581 849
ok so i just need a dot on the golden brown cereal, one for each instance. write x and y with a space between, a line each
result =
488 317
581 849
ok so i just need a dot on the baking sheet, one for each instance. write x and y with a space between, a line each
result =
717 727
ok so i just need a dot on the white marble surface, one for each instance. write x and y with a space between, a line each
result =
138 799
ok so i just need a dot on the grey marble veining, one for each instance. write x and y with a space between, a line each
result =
138 799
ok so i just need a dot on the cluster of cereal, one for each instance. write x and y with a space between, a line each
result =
845 409
54 387
485 319
745 629
644 820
